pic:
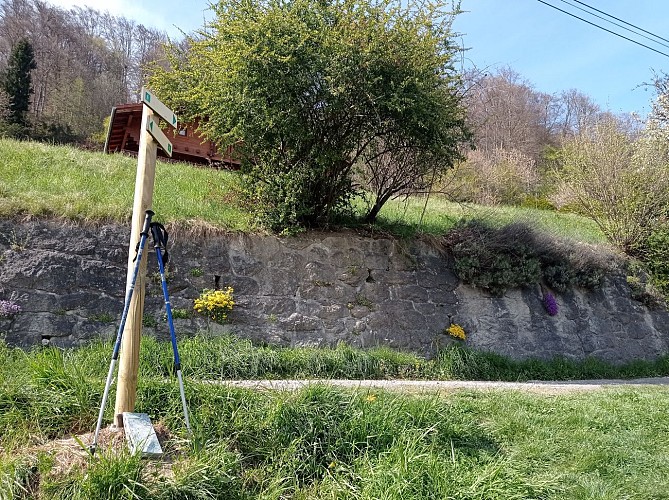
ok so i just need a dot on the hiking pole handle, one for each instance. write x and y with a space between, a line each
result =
148 215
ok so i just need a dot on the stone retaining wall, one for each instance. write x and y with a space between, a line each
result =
313 289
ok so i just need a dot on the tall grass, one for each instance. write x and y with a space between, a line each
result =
227 357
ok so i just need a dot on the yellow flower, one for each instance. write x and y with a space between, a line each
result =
332 465
456 331
370 398
215 303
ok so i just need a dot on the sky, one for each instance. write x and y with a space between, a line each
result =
551 50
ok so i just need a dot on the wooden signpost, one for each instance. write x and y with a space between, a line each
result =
150 138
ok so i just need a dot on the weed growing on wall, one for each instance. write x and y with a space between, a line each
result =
456 331
9 308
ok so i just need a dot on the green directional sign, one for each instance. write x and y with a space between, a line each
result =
158 107
153 129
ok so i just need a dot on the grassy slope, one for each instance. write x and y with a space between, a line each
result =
60 181
330 443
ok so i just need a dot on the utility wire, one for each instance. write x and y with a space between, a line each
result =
621 20
616 24
602 28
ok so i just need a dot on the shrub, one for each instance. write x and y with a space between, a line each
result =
654 253
496 259
308 90
496 177
620 183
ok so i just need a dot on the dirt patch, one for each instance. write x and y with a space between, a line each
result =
73 452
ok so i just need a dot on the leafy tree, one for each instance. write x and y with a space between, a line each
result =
311 91
17 82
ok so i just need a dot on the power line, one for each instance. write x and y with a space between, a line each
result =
616 24
621 20
602 28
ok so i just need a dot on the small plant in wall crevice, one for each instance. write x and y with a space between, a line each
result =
215 304
550 303
456 331
9 308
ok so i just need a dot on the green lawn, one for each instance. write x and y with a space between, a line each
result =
327 443
64 182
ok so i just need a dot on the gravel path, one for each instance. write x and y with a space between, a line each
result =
452 385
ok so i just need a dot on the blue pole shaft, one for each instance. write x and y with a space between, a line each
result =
173 336
119 335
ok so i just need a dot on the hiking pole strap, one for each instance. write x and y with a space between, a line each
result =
160 238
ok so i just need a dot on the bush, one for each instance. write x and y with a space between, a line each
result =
654 253
620 182
307 90
496 259
495 177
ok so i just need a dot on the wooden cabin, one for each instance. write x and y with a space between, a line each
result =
187 144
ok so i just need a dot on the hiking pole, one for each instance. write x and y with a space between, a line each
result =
160 238
117 346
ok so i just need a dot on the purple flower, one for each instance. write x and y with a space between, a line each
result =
8 308
550 304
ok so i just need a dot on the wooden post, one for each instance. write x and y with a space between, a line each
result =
126 392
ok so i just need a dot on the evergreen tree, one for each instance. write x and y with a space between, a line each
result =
16 82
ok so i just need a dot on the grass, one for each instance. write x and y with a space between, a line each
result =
99 188
228 357
404 218
326 443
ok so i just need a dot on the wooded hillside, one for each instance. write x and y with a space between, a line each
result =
86 62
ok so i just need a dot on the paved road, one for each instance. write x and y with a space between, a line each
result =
451 385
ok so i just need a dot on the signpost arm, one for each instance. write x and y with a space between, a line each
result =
129 361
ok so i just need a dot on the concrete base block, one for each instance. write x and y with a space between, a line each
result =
140 435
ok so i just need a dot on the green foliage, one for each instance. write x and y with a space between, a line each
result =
181 313
654 253
100 137
102 318
305 88
515 255
55 133
538 202
16 82
149 321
